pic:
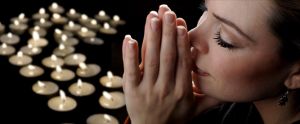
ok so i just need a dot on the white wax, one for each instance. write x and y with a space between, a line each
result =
71 26
20 59
31 71
102 119
68 41
42 32
45 88
62 75
114 82
93 41
52 61
36 41
116 100
10 38
60 20
116 21
72 14
29 50
74 59
55 8
90 70
43 23
63 50
6 50
102 16
41 14
18 29
85 33
57 104
106 29
82 89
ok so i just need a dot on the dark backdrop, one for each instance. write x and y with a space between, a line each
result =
20 104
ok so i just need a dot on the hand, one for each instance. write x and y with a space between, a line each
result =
159 90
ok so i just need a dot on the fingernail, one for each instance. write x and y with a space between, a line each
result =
181 30
127 36
131 43
169 17
154 13
164 6
154 24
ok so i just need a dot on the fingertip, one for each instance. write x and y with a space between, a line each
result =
181 30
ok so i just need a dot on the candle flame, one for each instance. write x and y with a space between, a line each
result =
4 45
42 20
79 83
54 5
72 11
41 84
21 16
71 23
35 35
116 18
82 65
35 49
42 11
101 13
107 95
58 31
16 22
107 117
64 37
20 54
84 29
106 25
36 28
110 75
31 67
94 22
61 46
84 17
56 16
62 96
75 56
53 57
58 68
9 35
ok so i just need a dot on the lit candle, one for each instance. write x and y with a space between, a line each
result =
17 27
6 50
20 59
107 29
93 41
31 50
93 24
44 23
36 41
58 19
71 26
81 88
42 32
45 88
21 18
74 59
63 50
102 119
2 28
117 21
41 14
84 19
55 8
88 70
101 16
10 38
68 41
58 33
112 100
85 33
111 81
72 14
31 71
53 61
62 103
60 74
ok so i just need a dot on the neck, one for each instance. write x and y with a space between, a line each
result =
272 113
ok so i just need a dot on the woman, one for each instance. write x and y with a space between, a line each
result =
244 56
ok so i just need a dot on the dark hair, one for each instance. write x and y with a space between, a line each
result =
285 24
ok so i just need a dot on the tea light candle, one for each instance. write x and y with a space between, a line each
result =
53 61
68 41
36 41
6 50
102 119
62 103
63 50
10 38
58 19
55 8
31 71
17 27
71 26
111 81
58 33
43 23
41 14
101 16
45 88
60 74
93 41
85 33
93 24
72 14
20 59
112 100
74 59
117 21
84 19
2 28
107 29
42 32
81 88
88 70
21 18
31 50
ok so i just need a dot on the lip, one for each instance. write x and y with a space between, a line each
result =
199 72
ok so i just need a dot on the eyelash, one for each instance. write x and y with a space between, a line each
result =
222 42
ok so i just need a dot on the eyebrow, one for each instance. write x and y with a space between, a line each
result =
231 24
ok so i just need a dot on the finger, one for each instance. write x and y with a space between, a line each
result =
168 50
147 27
131 69
152 51
162 9
183 72
181 22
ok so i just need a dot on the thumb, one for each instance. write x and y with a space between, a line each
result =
204 103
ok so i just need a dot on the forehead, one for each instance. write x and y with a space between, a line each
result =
249 15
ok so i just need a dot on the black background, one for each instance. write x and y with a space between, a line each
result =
18 102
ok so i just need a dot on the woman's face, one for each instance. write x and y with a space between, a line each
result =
235 55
